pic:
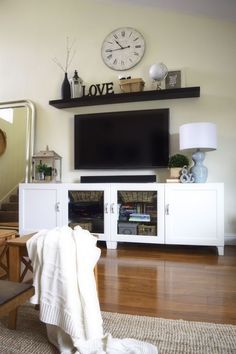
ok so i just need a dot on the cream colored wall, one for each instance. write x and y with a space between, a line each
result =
34 32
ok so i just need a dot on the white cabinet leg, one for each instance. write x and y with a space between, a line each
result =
220 250
111 245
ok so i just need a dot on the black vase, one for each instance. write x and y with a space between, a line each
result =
65 88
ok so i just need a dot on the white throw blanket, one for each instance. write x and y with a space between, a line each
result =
63 262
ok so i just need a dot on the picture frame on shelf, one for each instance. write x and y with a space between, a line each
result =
174 79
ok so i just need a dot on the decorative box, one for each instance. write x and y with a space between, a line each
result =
85 196
147 230
84 225
137 196
127 228
131 85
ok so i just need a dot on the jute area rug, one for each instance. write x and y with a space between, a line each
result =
170 336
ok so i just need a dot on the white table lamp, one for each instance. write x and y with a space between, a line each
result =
202 137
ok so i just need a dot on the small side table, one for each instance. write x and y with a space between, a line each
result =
5 235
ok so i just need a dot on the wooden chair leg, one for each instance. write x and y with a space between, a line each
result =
12 319
2 265
5 235
28 266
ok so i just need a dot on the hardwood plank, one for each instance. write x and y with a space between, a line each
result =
176 282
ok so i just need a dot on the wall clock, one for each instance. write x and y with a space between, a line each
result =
123 48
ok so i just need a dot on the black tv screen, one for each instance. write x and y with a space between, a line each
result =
122 140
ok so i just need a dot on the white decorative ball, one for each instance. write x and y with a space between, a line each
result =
158 72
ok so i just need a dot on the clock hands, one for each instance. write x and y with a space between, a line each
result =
121 48
119 44
128 46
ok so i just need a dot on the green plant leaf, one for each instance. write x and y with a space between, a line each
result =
178 160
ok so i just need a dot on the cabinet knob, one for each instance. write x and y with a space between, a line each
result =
106 208
58 206
167 209
112 208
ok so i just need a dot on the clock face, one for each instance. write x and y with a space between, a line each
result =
123 48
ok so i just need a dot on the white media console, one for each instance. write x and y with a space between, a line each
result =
158 213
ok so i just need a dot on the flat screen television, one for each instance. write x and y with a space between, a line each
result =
122 140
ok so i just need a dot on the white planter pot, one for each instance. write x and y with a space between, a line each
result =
175 172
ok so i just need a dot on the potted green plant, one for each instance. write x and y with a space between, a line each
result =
44 171
48 173
176 163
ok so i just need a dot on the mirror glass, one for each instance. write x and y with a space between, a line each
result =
16 145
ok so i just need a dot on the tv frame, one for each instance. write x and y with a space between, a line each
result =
131 113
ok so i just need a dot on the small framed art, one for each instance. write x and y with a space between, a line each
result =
174 79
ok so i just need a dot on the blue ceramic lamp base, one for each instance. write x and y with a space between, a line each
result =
199 171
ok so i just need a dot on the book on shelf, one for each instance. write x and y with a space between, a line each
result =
172 180
139 217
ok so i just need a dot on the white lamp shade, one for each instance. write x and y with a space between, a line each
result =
198 136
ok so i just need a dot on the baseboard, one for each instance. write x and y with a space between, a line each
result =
230 239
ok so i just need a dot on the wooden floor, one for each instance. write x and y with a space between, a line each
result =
190 283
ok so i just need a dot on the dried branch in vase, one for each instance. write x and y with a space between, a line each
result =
69 56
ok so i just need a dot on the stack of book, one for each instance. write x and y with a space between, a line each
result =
139 217
172 180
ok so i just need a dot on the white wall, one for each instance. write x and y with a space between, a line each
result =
33 32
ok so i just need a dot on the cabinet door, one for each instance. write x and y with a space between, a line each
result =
87 205
39 207
137 213
194 214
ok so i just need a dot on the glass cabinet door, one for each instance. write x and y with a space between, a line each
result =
139 215
86 209
87 205
132 212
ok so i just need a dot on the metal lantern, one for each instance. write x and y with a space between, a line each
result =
46 166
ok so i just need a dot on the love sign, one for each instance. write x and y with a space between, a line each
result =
99 89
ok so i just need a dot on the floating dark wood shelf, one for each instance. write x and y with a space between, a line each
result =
185 92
